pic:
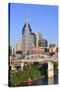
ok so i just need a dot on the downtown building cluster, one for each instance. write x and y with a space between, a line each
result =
31 43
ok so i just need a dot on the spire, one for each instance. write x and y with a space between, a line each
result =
26 20
27 25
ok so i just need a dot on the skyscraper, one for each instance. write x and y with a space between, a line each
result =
38 37
33 39
19 48
19 45
44 43
11 50
26 38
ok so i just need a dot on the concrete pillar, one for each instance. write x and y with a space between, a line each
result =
13 67
50 81
50 70
22 65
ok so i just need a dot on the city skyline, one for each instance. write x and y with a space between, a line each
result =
42 19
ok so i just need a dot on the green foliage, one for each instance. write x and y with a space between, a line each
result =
14 79
29 72
32 71
55 67
44 70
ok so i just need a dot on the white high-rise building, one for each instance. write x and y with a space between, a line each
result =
38 37
19 46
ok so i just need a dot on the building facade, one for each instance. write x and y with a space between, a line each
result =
11 50
26 38
19 46
52 48
33 40
51 45
38 50
19 49
44 43
38 37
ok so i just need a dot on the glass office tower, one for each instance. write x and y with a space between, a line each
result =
33 39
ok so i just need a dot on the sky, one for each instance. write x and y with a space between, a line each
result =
42 19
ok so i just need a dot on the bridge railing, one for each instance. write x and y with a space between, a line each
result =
37 59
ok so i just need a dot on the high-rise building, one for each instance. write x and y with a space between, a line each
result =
26 38
38 37
11 50
44 43
33 40
19 46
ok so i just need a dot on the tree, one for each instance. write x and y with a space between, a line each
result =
14 80
29 71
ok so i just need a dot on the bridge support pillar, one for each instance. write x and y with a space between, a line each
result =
50 81
22 65
50 70
13 67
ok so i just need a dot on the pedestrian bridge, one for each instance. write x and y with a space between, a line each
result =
30 59
50 60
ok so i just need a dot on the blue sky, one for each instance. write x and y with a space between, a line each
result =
42 18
